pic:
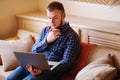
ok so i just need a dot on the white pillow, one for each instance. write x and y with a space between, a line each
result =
22 33
7 47
101 69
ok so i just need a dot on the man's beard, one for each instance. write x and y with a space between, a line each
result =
61 22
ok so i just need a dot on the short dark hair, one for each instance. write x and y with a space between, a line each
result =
56 5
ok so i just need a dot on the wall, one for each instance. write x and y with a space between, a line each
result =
88 10
8 9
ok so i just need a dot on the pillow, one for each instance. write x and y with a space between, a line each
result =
12 38
80 62
9 60
106 59
22 33
7 47
82 59
100 69
96 72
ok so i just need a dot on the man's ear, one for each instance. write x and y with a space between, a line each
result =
64 15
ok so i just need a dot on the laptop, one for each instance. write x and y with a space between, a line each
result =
38 60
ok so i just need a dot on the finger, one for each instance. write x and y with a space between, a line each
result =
29 67
37 70
57 34
50 30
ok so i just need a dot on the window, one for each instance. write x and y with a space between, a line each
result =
105 2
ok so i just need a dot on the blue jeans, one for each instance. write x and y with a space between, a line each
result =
21 73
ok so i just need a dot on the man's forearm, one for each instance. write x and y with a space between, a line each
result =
39 46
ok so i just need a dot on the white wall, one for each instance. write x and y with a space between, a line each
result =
87 10
8 9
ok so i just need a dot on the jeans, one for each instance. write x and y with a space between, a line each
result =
21 73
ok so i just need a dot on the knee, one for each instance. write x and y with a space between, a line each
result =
10 77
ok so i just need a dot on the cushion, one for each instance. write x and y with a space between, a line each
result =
80 63
106 59
11 38
100 69
99 51
7 47
9 59
22 33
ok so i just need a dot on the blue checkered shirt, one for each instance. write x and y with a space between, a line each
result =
64 49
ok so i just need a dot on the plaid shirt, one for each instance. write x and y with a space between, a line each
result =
64 49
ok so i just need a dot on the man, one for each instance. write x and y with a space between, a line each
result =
58 42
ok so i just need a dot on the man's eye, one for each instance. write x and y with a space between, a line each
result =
49 17
55 17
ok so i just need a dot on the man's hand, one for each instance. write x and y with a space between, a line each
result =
32 70
53 35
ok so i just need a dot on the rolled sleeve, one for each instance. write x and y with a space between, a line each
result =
41 43
39 46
